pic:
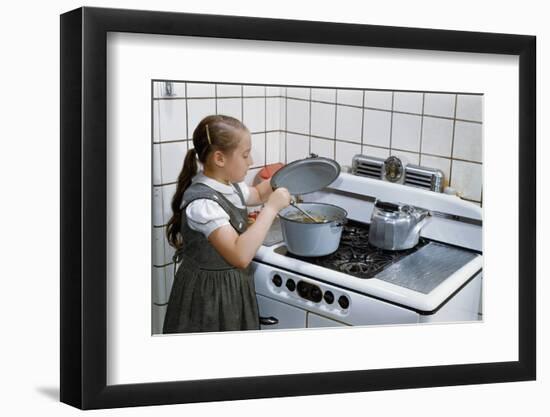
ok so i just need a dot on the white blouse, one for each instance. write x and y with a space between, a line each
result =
205 215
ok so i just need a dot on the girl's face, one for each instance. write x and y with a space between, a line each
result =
240 159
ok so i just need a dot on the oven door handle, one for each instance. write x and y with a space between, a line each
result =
269 321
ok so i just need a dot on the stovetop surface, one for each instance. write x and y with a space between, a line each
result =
355 256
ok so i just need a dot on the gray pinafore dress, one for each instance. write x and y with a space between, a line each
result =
209 294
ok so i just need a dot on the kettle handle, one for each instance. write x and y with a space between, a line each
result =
386 206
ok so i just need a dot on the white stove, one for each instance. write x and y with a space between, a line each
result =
437 281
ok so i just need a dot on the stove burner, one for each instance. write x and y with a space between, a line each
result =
356 256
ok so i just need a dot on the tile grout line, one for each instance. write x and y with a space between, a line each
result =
385 148
322 87
162 197
161 177
265 126
352 143
309 126
216 98
453 141
153 125
435 116
391 120
362 124
421 129
335 121
286 125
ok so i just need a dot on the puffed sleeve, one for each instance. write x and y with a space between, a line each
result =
205 216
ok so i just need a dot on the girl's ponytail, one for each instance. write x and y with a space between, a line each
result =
189 170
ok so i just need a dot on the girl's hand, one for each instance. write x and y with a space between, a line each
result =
279 199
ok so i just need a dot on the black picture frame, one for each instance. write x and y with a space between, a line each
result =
84 207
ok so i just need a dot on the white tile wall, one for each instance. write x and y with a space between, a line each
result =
273 91
172 120
323 94
407 157
297 116
322 119
466 178
230 107
351 97
297 146
229 90
158 318
376 128
157 179
197 110
377 152
467 142
349 123
253 90
469 107
201 90
303 93
156 88
283 111
283 114
406 132
345 152
378 99
158 208
254 114
439 104
258 149
444 164
408 102
273 114
322 147
282 150
158 246
159 285
172 156
163 89
437 136
273 148
167 192
156 123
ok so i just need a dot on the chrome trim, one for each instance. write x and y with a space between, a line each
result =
410 175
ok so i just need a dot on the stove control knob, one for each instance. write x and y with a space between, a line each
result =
290 284
316 294
329 297
343 301
277 280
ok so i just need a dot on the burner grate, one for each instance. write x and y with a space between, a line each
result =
356 256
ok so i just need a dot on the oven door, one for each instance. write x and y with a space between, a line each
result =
286 316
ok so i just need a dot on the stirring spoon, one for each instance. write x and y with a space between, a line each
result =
305 213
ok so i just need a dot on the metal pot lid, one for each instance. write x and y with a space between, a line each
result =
306 175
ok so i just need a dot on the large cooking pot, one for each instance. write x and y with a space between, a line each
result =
305 238
302 236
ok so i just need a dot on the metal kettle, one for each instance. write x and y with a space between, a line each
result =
396 226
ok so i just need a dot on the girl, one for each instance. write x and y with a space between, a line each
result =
213 288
